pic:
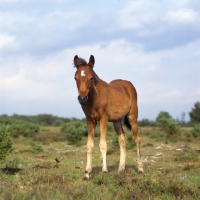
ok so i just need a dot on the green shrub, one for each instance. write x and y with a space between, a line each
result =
36 148
74 131
5 141
163 114
168 126
19 127
145 122
196 131
57 122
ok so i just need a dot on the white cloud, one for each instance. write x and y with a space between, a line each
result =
182 16
116 60
8 42
12 1
36 33
160 24
133 17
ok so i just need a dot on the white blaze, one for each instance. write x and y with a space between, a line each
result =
82 73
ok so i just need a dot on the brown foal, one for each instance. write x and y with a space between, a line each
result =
106 102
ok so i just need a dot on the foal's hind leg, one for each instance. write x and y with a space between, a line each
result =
134 126
122 144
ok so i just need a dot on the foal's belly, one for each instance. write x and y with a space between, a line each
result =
119 105
117 113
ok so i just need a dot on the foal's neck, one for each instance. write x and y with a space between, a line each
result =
96 78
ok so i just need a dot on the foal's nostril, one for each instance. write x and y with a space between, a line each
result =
82 100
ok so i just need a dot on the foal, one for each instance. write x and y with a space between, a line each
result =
106 102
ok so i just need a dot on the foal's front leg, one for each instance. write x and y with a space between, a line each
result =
103 143
90 147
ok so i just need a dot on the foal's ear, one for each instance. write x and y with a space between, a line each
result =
75 58
91 61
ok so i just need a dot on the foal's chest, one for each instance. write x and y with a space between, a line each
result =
93 114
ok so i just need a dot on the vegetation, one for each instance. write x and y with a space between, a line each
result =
196 131
42 119
168 126
163 115
5 142
195 113
18 127
74 131
146 122
36 148
44 168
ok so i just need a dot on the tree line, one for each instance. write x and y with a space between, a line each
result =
51 120
41 119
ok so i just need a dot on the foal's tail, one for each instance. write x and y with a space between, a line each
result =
127 123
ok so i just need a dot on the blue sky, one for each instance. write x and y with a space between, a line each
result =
154 44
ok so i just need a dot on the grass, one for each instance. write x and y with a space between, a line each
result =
172 169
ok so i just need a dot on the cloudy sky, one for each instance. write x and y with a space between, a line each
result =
154 44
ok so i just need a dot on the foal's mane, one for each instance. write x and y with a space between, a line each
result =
82 62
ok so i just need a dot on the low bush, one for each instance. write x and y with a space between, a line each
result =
5 141
57 122
196 131
145 122
168 126
74 131
36 148
18 127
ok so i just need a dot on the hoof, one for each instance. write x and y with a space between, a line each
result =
105 170
122 171
140 171
86 177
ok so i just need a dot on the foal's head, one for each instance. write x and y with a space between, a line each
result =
84 77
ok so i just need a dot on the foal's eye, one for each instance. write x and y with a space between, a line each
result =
75 78
91 79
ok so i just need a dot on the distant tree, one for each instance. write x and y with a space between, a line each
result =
162 115
46 119
145 122
57 122
195 113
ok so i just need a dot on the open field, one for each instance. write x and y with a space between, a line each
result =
171 165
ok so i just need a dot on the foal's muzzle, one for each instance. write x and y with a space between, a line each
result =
82 100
